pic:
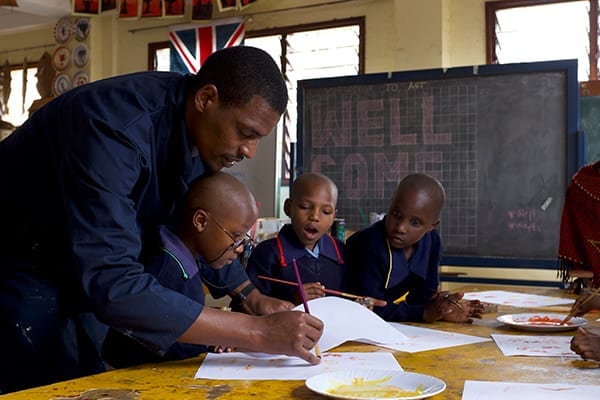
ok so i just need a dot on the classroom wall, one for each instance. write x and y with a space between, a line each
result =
400 34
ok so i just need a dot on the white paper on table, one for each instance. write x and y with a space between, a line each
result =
423 339
482 390
540 346
516 299
268 366
346 320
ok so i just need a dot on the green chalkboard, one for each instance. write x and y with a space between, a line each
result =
590 125
500 138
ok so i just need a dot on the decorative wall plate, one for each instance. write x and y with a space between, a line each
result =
63 30
82 28
80 78
61 58
61 84
81 55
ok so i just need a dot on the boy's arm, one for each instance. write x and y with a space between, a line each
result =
253 302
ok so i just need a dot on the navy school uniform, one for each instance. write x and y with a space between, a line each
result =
91 173
174 267
274 258
380 271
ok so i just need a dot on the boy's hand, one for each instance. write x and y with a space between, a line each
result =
312 290
257 303
219 349
586 344
580 309
449 307
370 302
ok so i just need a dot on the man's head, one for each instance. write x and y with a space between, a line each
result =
311 207
218 212
414 210
235 99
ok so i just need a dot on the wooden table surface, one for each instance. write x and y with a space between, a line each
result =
454 365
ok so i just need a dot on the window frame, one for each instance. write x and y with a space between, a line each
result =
490 28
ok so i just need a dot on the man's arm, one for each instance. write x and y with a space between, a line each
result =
292 333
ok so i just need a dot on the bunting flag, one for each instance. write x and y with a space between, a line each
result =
191 46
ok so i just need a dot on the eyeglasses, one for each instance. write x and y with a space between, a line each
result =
243 241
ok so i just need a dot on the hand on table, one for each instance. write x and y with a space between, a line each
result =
586 344
449 307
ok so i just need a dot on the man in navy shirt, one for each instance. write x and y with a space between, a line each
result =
84 183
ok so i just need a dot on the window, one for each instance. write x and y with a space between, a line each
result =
541 30
309 51
20 100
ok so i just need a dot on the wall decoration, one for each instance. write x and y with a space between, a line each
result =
61 84
129 9
61 58
202 9
246 3
191 46
227 5
176 8
82 28
63 30
108 5
88 7
81 55
151 8
80 78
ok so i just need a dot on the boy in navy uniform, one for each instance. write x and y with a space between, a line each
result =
319 256
218 210
397 259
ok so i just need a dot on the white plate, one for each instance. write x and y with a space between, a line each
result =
521 321
372 379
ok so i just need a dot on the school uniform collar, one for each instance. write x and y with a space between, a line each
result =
176 249
290 247
401 268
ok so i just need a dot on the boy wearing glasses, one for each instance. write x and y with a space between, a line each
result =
217 212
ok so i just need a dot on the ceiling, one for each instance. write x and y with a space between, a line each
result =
32 13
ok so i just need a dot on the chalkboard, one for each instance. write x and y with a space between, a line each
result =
590 125
502 139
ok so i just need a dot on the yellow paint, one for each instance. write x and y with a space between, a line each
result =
401 298
454 365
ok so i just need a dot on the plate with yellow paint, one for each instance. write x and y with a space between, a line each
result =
375 384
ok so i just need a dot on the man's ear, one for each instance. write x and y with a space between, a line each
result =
287 207
199 220
206 95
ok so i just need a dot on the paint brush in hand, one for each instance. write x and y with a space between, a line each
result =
571 314
304 300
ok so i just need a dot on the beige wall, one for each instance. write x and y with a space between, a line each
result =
400 34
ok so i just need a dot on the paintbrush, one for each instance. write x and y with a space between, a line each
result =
329 291
304 301
571 314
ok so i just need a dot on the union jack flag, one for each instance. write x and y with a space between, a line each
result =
190 47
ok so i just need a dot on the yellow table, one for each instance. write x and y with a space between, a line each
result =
454 365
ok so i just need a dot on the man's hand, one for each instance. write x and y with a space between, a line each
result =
586 344
257 303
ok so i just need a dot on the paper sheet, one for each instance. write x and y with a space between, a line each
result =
266 366
423 339
541 346
347 320
482 390
515 299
